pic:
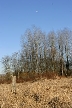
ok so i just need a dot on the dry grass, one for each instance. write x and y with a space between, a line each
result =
44 93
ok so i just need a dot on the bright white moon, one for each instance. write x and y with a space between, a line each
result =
36 11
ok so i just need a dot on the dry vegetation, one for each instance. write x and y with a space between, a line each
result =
43 93
38 67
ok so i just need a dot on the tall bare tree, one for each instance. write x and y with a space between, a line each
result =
52 44
6 61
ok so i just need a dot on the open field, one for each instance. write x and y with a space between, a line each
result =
44 93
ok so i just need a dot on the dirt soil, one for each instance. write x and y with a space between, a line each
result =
44 93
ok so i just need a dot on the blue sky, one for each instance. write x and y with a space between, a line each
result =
18 15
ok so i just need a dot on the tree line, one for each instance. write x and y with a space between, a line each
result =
41 52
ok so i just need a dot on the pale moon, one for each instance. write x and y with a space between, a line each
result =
36 11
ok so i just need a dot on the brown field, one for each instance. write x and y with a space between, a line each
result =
44 93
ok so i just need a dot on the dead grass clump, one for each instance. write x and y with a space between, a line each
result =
56 103
36 97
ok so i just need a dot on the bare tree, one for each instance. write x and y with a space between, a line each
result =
63 42
61 50
52 39
67 35
6 61
15 64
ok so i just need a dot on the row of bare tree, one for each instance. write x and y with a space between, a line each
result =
41 52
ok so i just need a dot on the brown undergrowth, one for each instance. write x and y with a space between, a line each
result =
28 76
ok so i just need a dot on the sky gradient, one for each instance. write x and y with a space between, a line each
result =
18 15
